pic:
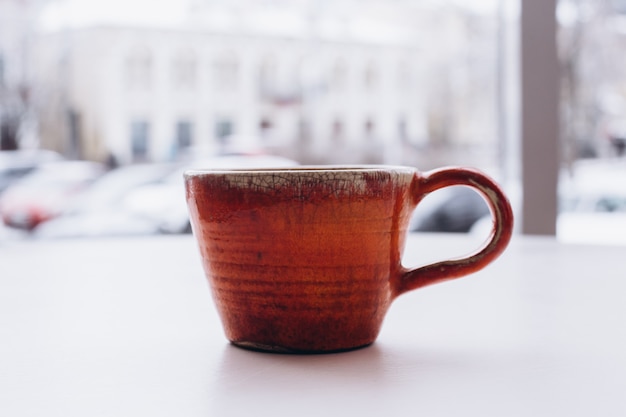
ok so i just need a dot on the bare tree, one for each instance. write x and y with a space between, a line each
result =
590 64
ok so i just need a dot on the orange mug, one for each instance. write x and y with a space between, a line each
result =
308 259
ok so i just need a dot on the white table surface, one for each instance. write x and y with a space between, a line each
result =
127 328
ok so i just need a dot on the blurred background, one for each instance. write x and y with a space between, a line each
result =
103 105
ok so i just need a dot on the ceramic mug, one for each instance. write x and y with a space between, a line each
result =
308 259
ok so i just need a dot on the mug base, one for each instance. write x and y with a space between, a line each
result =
259 347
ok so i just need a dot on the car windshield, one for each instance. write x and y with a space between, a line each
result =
610 204
61 175
44 182
11 174
113 186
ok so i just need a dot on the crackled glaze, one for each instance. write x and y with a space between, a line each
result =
336 181
308 259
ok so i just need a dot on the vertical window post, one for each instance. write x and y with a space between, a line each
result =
540 116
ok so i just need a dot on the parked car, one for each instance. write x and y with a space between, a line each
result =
43 193
16 164
102 210
451 210
141 199
593 204
164 201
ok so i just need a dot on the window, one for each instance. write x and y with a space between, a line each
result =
139 139
138 71
223 130
339 75
184 134
304 132
184 70
370 77
403 75
74 124
402 130
442 76
337 131
226 72
370 129
265 128
267 75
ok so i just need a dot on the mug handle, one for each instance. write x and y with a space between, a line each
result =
498 240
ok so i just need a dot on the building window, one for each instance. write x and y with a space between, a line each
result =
339 75
265 128
304 132
8 133
370 128
224 128
184 134
139 69
184 70
139 139
74 130
404 75
267 76
226 72
403 130
337 131
370 77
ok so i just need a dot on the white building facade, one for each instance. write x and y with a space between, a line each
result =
145 94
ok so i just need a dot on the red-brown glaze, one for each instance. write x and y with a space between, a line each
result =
309 260
497 242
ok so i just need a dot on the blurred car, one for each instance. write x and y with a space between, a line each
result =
452 209
103 210
43 193
593 204
16 164
164 201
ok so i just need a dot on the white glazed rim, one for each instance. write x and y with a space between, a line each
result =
300 169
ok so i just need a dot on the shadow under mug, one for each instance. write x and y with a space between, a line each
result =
308 259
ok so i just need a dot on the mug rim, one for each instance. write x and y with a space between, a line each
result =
193 172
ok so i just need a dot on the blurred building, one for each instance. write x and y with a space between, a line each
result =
322 81
137 93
